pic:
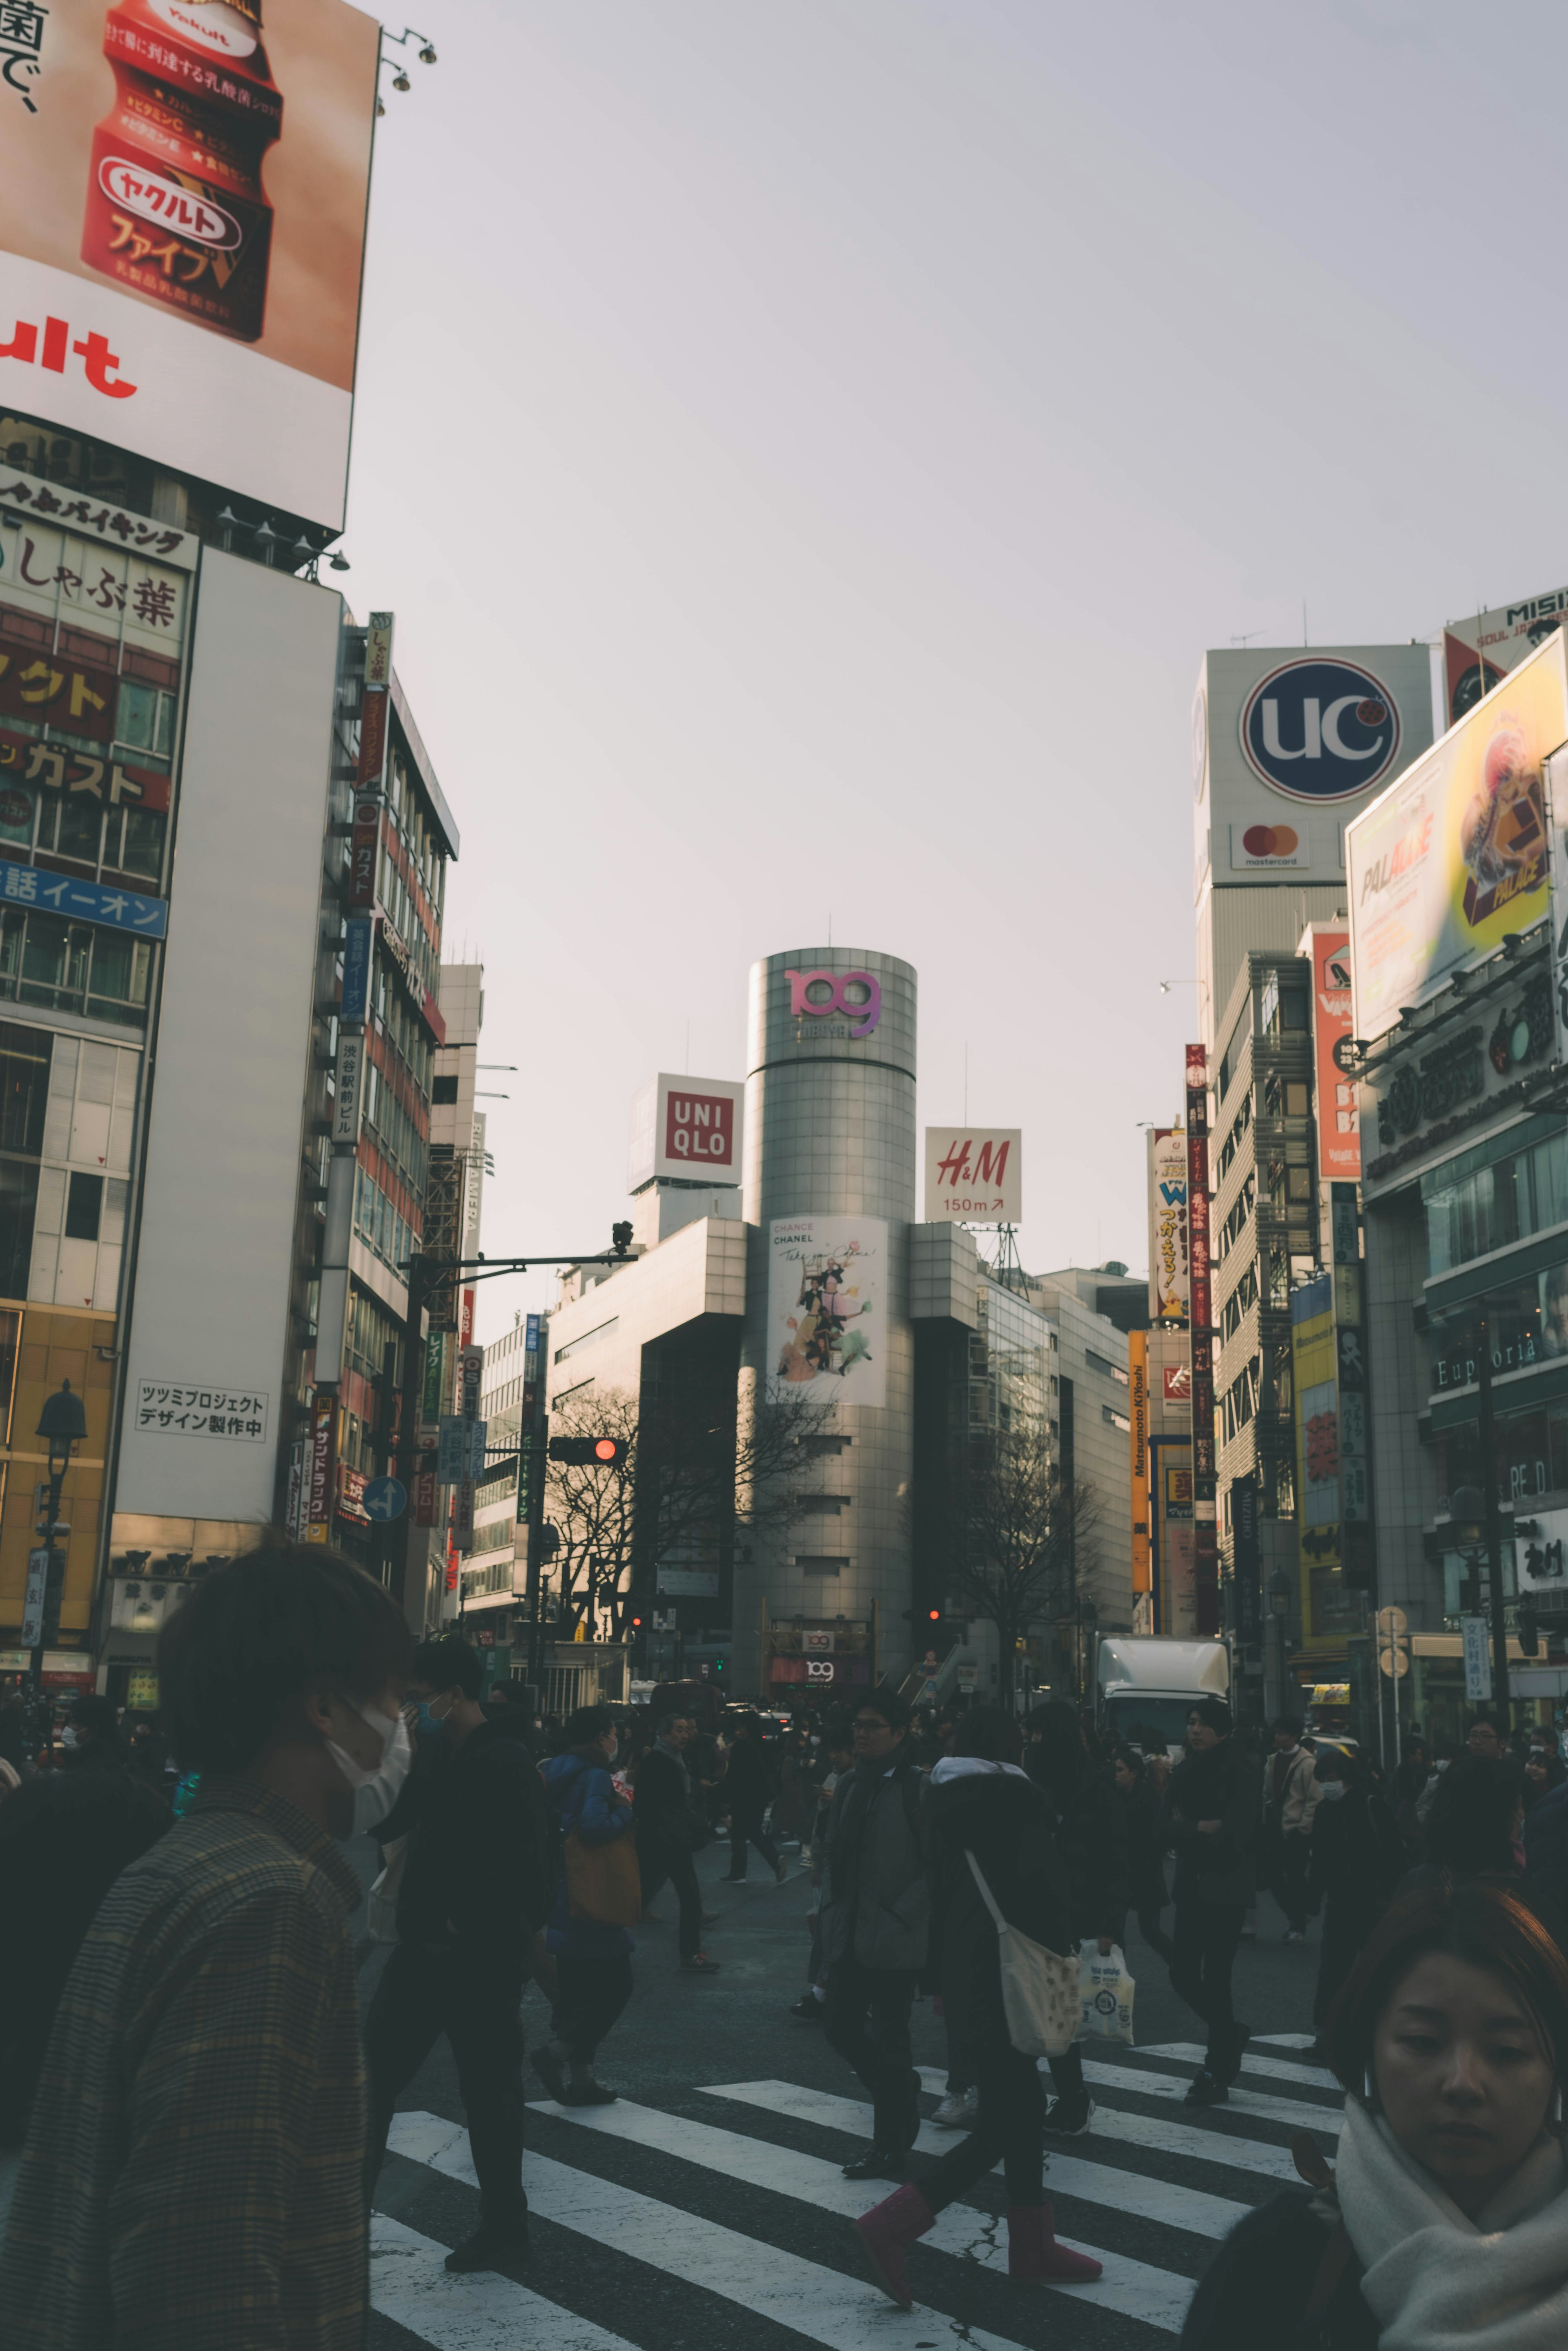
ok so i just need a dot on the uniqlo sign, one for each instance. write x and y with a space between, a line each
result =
689 1128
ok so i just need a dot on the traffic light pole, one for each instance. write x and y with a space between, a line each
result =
422 1274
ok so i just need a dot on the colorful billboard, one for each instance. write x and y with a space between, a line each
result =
183 195
827 1307
1478 652
1338 1123
1453 857
974 1176
1168 1270
691 1129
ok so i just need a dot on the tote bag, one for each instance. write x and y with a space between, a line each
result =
603 1882
1040 1988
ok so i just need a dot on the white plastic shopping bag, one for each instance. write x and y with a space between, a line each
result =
1106 1991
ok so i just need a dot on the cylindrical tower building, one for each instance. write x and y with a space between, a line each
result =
830 1180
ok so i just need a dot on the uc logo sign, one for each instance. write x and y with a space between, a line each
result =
1320 729
856 998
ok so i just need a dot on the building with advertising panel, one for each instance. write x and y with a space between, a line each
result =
826 1304
1457 898
96 631
238 1148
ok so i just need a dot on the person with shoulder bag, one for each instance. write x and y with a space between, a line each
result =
1444 2220
992 1857
670 1830
598 1897
1090 1829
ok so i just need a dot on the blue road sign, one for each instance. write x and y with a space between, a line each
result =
384 1499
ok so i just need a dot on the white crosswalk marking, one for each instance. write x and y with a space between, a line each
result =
484 2312
818 2303
1067 2175
1281 2069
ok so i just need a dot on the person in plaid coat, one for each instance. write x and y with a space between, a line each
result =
194 2169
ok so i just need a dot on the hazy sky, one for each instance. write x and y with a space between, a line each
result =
808 446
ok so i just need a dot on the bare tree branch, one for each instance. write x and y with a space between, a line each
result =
1022 1540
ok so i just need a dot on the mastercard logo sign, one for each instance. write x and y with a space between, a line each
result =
1270 841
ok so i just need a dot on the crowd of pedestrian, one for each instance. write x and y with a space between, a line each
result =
203 2114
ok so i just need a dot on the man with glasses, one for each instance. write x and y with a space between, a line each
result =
873 1924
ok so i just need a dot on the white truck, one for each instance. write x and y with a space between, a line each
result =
1145 1684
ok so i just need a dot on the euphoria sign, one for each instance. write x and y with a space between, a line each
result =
1320 728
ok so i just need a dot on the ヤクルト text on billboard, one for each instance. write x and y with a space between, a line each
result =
1454 856
182 193
827 1307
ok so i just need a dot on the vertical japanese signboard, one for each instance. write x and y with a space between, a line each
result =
1138 1413
1205 1539
321 1467
1246 1564
1168 1226
1339 1127
369 773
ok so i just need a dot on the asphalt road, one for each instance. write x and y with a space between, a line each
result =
706 2209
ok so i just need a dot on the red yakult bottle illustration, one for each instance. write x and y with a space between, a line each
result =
176 206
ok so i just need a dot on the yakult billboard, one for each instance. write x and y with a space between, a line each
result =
183 194
686 1127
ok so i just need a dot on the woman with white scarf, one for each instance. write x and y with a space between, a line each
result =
1444 2224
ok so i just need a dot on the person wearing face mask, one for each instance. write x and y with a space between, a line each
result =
194 2165
476 1888
593 1959
1357 1859
1444 2221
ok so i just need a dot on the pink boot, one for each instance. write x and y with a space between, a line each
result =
884 2235
1033 2253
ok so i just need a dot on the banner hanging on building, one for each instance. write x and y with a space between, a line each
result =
827 1307
1339 1124
1138 1413
1168 1267
1205 1534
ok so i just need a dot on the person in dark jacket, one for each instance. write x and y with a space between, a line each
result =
668 1820
749 1785
1209 1812
594 1961
475 1889
1357 1859
65 1838
1143 1808
1090 1834
1545 1839
1444 2216
982 1805
872 1922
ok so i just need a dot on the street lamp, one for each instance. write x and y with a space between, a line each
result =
61 1424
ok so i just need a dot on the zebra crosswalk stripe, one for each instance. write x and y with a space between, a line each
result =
1164 2200
822 2304
1279 2069
487 2311
482 2312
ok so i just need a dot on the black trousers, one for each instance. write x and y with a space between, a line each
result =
868 2024
590 1994
1348 1927
746 1828
1012 2109
1207 1935
472 1998
1288 1857
658 1860
1152 1933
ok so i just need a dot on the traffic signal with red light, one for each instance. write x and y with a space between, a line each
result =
590 1452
